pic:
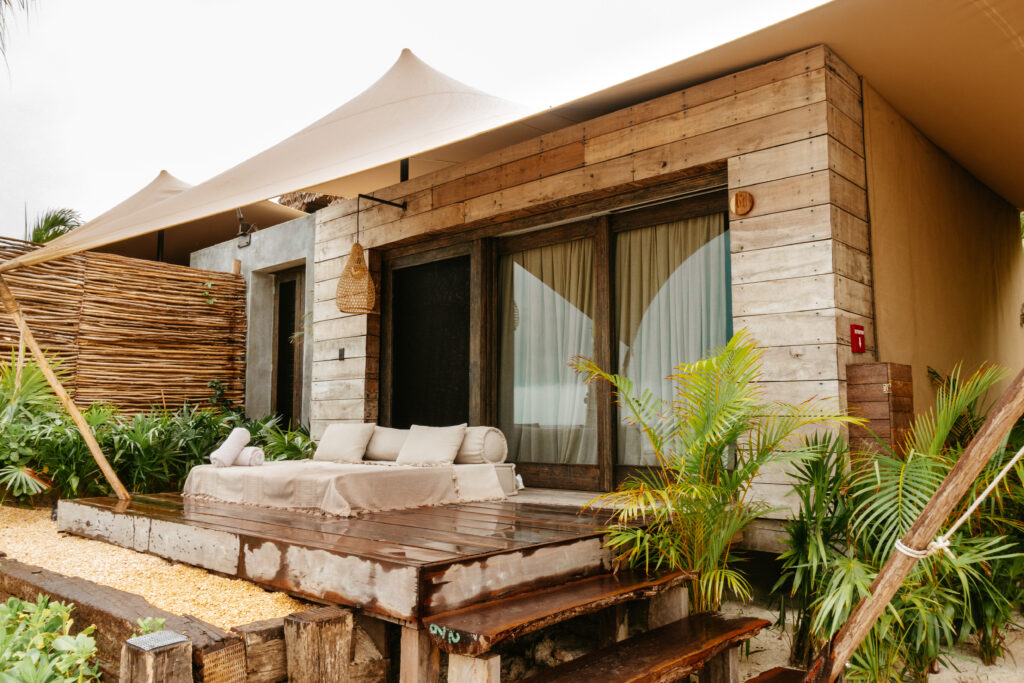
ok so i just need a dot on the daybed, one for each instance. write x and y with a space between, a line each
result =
362 468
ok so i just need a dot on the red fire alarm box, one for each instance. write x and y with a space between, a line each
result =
858 343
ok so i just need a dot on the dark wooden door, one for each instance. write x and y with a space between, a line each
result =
289 318
429 336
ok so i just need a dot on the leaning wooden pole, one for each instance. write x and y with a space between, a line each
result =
981 449
14 310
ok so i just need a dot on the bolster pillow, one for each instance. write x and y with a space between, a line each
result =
231 448
482 445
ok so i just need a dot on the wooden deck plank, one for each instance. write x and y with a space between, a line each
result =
664 654
358 527
561 530
498 529
468 528
342 545
513 512
475 630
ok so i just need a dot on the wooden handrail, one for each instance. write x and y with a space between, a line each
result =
14 310
1001 419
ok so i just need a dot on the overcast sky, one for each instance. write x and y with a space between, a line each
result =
99 96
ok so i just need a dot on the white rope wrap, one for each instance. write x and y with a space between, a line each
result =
941 543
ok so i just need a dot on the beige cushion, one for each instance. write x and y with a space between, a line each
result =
385 443
480 445
344 442
431 445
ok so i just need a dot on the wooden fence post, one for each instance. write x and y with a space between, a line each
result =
161 657
11 304
318 645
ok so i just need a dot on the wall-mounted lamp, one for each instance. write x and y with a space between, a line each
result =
245 231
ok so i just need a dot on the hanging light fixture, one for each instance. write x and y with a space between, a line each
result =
356 292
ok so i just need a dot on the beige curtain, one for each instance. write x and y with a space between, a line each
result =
547 301
672 296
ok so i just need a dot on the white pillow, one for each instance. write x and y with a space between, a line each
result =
482 445
344 442
431 445
385 443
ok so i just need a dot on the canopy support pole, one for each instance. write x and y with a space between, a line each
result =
11 304
831 663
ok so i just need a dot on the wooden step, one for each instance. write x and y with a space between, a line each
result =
664 654
476 629
780 674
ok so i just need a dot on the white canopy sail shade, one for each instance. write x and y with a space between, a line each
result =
412 112
187 237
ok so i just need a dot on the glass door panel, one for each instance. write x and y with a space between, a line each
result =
672 306
546 309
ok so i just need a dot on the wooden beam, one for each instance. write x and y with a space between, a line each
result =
605 347
420 660
11 304
318 645
167 664
959 481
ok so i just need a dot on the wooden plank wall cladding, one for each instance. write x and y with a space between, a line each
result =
133 333
790 133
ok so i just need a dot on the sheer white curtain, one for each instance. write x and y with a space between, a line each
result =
547 301
672 295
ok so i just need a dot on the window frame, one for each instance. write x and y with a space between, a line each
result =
485 250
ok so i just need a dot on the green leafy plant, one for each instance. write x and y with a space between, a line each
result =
711 441
149 625
53 223
36 644
840 547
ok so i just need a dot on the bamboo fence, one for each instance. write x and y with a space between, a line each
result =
132 333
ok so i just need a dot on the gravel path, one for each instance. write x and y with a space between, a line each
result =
31 537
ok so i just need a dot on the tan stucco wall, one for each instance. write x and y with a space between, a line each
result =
947 257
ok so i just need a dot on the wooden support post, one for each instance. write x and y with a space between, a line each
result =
11 305
482 669
613 624
420 660
668 606
167 664
318 645
723 667
990 437
265 660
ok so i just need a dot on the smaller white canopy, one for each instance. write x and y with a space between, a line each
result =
186 238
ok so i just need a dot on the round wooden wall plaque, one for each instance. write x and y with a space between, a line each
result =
741 203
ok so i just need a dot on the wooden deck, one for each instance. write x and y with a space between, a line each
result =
402 565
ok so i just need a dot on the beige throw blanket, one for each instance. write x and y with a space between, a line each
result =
344 489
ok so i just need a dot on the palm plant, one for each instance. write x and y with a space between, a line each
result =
53 223
947 597
711 441
7 8
25 400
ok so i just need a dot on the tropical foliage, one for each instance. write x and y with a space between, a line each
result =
41 447
36 644
54 223
852 511
711 441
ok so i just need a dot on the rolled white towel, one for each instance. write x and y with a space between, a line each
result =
227 453
251 456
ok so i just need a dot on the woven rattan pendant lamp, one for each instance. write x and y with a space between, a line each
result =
356 291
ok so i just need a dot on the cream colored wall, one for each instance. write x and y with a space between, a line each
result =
948 262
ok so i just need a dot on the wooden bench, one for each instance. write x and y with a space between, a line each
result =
707 641
780 674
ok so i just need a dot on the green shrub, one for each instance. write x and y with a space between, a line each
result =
36 644
848 523
152 452
711 442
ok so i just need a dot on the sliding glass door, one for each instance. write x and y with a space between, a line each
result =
546 312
